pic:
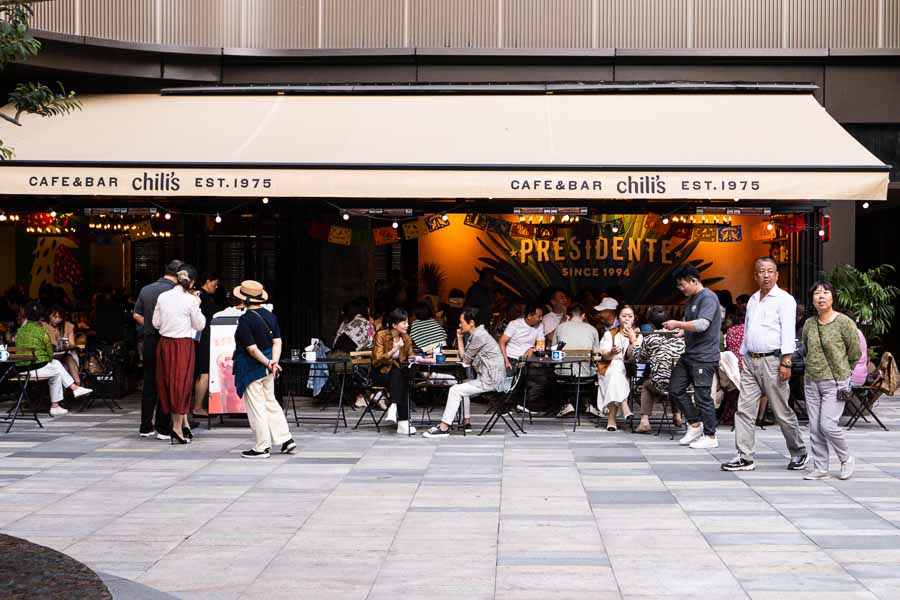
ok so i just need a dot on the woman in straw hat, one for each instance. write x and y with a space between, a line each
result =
256 355
178 318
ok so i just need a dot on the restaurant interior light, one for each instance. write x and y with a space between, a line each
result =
53 213
821 233
770 226
2 216
615 229
665 220
168 216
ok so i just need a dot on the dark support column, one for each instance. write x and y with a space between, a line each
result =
297 291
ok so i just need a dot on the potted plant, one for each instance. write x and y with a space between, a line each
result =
869 295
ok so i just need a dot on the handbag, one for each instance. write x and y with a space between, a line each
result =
603 363
843 395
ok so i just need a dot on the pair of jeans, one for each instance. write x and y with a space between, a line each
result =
700 375
57 377
395 381
150 402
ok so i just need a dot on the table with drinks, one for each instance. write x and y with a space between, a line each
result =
293 379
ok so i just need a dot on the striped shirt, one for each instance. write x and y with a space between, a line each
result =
660 352
426 333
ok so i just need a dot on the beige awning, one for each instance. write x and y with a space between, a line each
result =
667 146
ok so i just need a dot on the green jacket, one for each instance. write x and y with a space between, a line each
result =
831 350
33 335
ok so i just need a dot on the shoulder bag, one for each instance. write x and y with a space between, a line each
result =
603 363
843 395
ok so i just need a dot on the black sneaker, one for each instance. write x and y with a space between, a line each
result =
254 454
467 428
798 462
288 447
739 464
436 432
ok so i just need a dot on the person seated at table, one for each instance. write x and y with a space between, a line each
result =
393 347
659 352
517 344
62 336
613 389
576 334
32 335
426 332
483 354
355 332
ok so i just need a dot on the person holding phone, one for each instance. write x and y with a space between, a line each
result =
613 389
257 352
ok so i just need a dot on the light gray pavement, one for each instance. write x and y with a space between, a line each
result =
359 515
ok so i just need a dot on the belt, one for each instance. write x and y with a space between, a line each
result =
764 354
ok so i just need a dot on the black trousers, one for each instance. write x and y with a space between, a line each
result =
395 381
150 403
538 379
700 375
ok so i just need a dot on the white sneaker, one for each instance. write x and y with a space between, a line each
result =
693 434
816 474
163 437
705 442
360 402
404 428
847 469
593 410
568 409
522 409
381 404
58 411
81 391
436 432
391 416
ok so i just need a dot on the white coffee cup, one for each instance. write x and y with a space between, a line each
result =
557 355
309 356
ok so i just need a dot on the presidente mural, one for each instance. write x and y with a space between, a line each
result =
635 255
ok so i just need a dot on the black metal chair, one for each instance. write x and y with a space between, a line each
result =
22 377
371 393
502 402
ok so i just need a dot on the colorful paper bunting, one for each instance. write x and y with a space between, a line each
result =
435 222
730 233
414 229
385 235
476 220
340 235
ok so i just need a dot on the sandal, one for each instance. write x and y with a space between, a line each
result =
643 429
612 428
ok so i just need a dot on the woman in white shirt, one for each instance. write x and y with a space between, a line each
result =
612 387
178 318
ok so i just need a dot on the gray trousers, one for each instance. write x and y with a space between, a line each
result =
825 412
760 376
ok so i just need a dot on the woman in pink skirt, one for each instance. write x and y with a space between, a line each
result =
178 318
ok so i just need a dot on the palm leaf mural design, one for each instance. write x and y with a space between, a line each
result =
646 282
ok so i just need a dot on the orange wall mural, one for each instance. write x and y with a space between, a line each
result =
638 255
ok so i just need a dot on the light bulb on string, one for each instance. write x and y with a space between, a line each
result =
168 216
53 213
345 215
218 218
445 217
770 226
865 205
665 220
821 233
265 200
395 224
2 216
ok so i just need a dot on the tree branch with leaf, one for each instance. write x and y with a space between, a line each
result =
17 45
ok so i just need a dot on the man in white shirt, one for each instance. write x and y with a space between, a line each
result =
517 343
769 336
577 335
558 303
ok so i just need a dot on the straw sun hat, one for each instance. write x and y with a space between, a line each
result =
251 292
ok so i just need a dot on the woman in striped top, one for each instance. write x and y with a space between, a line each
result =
426 331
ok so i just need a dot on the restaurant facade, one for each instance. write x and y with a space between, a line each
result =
324 171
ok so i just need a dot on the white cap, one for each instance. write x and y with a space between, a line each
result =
607 304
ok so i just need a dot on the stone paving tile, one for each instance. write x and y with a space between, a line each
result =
553 514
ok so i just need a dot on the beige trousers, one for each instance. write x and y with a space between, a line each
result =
265 415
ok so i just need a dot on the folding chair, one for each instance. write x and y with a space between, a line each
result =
884 382
668 418
567 383
370 393
503 402
23 379
105 376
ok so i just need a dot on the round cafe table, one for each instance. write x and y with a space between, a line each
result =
292 378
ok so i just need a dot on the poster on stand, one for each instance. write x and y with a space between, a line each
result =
223 397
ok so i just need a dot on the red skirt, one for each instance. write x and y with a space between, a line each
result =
175 374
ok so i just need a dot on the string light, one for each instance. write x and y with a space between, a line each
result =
53 213
565 218
218 218
865 205
770 226
265 200
2 216
665 220
345 215
168 216
395 224
821 233
445 217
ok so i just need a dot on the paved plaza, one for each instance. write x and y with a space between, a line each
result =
359 515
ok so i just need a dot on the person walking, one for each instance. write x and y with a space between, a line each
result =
178 319
154 421
766 368
257 352
482 353
698 364
832 348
